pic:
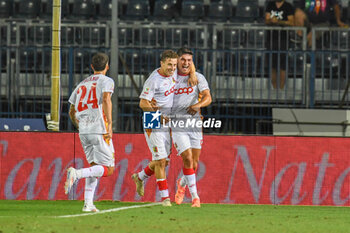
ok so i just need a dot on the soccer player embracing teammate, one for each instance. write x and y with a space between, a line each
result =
187 141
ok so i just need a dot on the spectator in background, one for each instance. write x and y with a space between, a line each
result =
278 13
316 13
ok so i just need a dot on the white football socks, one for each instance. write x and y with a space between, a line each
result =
191 182
183 181
142 175
90 186
94 171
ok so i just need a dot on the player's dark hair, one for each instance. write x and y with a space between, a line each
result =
183 51
99 61
168 54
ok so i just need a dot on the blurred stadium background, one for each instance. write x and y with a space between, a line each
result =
228 38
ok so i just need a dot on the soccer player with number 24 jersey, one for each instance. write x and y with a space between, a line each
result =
91 113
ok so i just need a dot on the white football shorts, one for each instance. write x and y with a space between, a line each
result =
159 143
97 150
184 140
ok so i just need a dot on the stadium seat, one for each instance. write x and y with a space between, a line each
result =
23 124
82 61
83 9
94 36
67 35
43 35
246 11
256 39
123 37
137 10
228 38
28 59
175 37
220 11
3 35
6 7
296 64
3 60
28 9
165 10
64 9
105 9
43 60
192 10
340 40
147 37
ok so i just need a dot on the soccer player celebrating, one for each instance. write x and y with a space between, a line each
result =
186 107
159 86
158 94
91 113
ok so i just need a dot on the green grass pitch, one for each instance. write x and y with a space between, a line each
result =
41 216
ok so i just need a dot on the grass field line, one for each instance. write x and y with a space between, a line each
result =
107 211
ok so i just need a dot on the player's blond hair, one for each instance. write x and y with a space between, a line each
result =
168 54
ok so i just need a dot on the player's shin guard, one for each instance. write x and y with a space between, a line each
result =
163 188
145 173
90 186
190 177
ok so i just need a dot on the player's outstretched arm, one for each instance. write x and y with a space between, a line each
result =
204 102
72 116
107 109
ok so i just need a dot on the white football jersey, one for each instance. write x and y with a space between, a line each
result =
87 100
185 96
161 89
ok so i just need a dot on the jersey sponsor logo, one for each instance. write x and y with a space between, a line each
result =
168 92
184 90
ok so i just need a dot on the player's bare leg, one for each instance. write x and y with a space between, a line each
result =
159 169
195 155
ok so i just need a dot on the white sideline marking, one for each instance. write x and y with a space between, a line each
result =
107 211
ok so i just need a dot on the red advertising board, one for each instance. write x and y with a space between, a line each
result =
233 169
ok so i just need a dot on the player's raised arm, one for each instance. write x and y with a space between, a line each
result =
72 116
192 80
107 109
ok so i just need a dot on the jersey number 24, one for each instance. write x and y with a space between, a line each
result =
92 99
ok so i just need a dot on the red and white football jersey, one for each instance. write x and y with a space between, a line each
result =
161 89
87 99
185 96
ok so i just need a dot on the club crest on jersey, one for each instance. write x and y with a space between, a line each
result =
146 91
173 80
155 149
